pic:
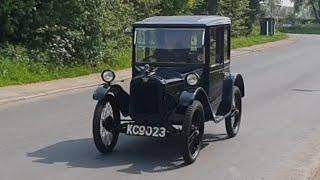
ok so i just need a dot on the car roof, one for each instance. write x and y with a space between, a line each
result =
203 20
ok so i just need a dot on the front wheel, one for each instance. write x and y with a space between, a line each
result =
192 131
233 121
106 125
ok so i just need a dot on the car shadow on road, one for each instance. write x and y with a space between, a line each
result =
132 155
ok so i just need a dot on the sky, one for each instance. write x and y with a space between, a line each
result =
287 3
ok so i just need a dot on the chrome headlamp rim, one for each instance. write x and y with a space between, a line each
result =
192 79
108 76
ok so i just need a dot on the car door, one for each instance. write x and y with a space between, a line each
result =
227 46
216 66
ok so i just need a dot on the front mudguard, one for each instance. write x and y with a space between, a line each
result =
122 97
187 97
101 92
229 82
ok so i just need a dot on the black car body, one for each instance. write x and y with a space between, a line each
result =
180 70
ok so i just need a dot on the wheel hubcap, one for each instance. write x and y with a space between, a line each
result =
195 136
106 122
235 119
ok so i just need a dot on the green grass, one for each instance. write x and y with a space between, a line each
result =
21 71
13 72
255 39
304 29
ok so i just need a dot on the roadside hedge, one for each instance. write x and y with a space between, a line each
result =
81 32
69 32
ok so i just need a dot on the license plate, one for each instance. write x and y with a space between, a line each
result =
141 130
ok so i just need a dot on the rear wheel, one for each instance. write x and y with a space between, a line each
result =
233 121
192 131
106 125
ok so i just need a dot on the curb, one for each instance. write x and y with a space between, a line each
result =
234 53
52 92
23 98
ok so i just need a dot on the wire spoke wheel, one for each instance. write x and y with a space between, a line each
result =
106 125
192 132
233 121
194 137
106 121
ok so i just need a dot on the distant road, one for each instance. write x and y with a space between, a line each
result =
50 138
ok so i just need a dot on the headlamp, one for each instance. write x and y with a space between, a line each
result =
107 76
192 79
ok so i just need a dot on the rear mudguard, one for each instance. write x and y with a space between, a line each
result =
187 98
121 96
229 82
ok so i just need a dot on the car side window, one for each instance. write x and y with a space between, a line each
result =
220 47
226 44
213 45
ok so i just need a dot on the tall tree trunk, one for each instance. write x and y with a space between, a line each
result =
294 12
316 12
254 9
213 7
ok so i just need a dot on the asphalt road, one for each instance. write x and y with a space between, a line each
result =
50 138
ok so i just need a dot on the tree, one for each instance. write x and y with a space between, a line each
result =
297 4
315 4
145 8
71 32
213 6
254 6
198 6
15 19
173 7
238 11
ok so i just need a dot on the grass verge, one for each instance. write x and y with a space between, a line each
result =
255 39
303 29
15 72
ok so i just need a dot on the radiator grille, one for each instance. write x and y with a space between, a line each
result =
146 97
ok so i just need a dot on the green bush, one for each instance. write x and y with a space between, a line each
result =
49 39
71 32
255 38
303 29
20 71
80 32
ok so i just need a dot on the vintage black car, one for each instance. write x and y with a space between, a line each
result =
180 80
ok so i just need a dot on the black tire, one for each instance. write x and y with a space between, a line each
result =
233 123
192 132
104 124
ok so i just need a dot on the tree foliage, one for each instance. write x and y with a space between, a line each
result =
89 32
145 8
314 4
72 32
199 7
174 7
254 9
238 11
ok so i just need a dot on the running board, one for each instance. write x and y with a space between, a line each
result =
218 119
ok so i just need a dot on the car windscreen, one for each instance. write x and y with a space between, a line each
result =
169 45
